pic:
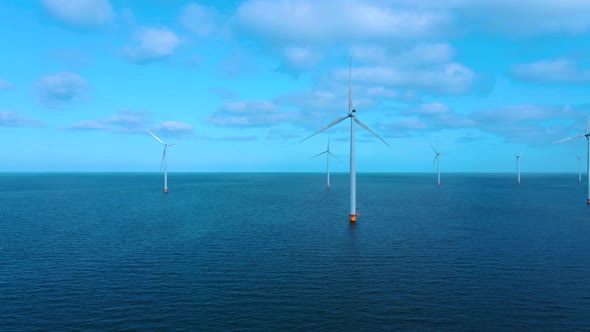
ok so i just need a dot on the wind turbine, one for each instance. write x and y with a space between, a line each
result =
328 154
437 160
518 164
353 119
587 135
164 160
579 169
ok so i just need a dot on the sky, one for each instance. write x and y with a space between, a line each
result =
237 84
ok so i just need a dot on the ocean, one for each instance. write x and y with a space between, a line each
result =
276 252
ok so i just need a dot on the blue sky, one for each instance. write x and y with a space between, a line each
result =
237 84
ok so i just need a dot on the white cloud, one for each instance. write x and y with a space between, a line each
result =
152 44
296 59
5 85
418 55
12 119
254 113
59 89
519 114
82 13
295 21
451 78
431 109
525 17
88 125
529 124
199 19
175 128
134 122
233 138
551 71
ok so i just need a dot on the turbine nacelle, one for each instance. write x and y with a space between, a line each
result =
352 114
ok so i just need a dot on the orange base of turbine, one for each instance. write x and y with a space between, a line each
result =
588 201
353 218
166 190
328 187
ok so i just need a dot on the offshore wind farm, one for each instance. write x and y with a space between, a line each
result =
246 226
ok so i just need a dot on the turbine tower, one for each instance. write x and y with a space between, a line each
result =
579 169
587 135
164 160
353 119
518 164
328 154
437 160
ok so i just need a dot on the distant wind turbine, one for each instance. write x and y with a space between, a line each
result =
587 135
164 160
518 164
353 119
437 160
328 154
579 169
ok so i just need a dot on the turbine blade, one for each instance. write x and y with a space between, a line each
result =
433 149
435 158
156 137
570 138
163 157
349 85
520 155
326 127
369 130
333 155
319 154
169 145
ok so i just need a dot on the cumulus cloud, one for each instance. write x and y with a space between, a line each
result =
557 71
59 89
297 59
12 119
200 20
420 54
153 44
529 124
174 128
451 78
133 122
525 17
255 113
234 138
81 13
302 109
5 85
88 125
513 18
307 21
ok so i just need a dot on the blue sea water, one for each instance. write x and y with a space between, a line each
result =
276 252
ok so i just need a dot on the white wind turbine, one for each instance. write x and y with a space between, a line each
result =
437 160
579 169
328 154
164 160
353 119
518 164
587 135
